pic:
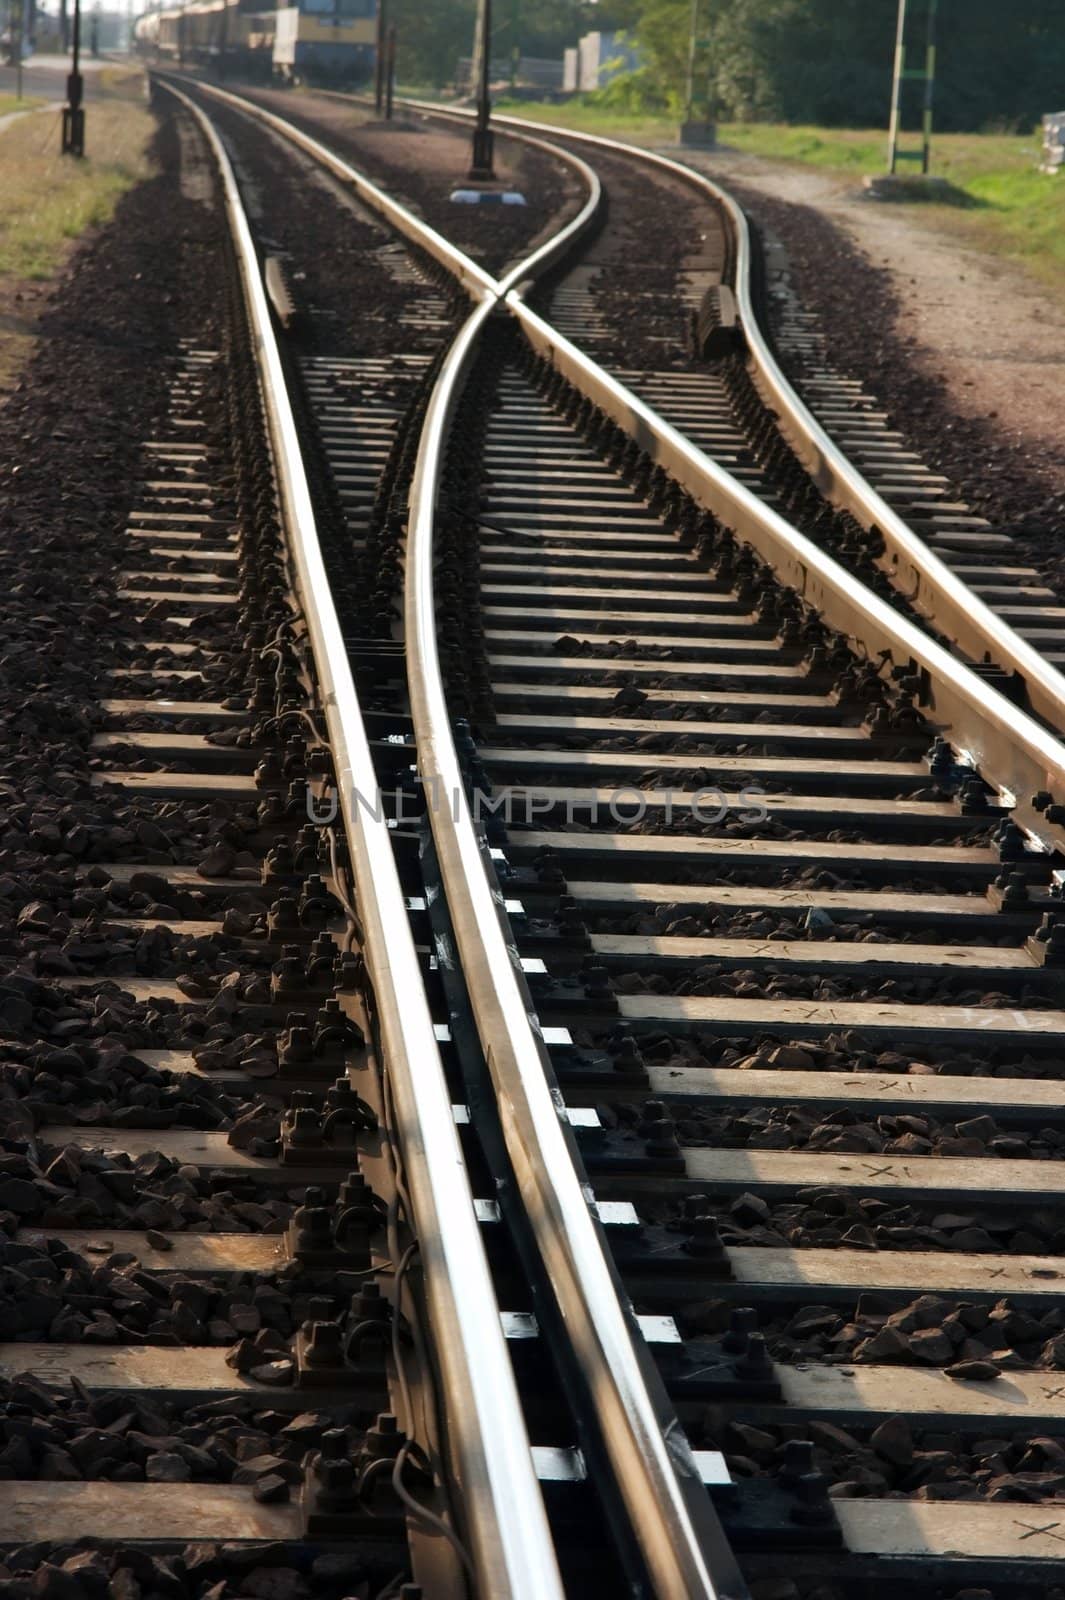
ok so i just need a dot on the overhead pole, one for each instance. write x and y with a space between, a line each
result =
73 111
482 168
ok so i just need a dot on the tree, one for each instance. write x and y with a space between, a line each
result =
430 40
829 61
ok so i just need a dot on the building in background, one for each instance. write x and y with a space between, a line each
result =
596 59
532 76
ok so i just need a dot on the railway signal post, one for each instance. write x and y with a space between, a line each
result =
925 75
73 111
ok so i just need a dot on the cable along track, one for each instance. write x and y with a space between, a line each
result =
813 1135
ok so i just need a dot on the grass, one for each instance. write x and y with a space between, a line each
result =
50 199
590 118
997 202
11 102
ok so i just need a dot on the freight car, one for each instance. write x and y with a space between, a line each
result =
315 41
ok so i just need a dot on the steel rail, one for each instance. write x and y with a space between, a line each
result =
648 1464
463 268
505 1521
927 582
1009 748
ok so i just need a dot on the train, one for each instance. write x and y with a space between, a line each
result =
314 41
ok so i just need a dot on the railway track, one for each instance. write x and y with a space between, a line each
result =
724 899
819 448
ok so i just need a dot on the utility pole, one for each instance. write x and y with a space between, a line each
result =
73 111
482 168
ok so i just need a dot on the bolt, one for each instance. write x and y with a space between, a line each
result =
704 1240
370 1305
336 1483
628 1060
385 1439
755 1361
324 1347
288 975
1014 887
303 1127
1011 846
798 1461
294 1043
742 1323
814 1505
313 1228
973 797
596 982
